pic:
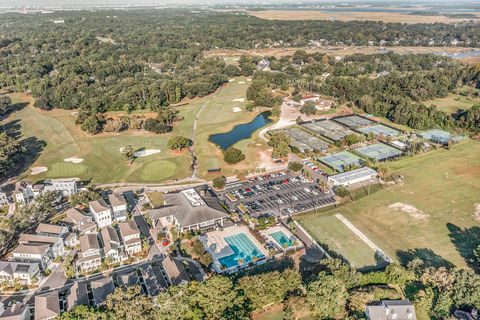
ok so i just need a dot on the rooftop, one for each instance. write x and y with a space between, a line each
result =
128 228
353 175
89 241
47 305
175 271
116 199
98 205
50 228
31 249
110 238
78 295
101 289
36 238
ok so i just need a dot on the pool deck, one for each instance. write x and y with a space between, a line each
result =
267 233
214 243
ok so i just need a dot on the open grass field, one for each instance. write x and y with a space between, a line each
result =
102 159
432 214
387 17
453 103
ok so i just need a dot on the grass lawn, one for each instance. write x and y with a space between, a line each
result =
156 199
443 185
453 102
102 160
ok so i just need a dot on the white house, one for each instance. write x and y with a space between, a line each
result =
21 271
130 237
102 214
391 310
352 177
33 253
78 221
119 206
3 199
111 243
56 246
66 187
310 98
89 257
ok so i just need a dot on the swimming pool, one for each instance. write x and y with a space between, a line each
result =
244 249
282 239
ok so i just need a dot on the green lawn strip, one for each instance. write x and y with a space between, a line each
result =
443 184
453 102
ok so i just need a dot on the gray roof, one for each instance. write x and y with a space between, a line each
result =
89 241
127 279
32 249
345 177
128 228
187 215
36 238
101 289
47 305
154 281
79 220
98 205
78 295
116 199
14 312
11 267
392 310
110 238
50 228
175 271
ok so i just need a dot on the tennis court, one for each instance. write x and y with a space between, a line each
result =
353 121
440 136
378 151
301 139
328 129
379 130
341 160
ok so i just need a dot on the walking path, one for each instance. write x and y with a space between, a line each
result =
364 238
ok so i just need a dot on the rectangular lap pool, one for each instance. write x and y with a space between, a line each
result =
244 249
282 239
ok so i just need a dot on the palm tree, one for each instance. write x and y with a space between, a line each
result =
128 153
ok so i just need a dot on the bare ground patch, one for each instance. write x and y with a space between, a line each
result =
411 210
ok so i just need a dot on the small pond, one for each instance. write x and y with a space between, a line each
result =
240 132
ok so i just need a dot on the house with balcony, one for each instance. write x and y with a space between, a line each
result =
90 256
57 248
66 187
112 247
101 212
33 253
119 206
24 272
130 237
78 221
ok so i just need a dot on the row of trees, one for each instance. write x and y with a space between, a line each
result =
337 291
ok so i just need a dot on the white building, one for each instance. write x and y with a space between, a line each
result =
89 258
21 271
3 199
56 246
102 214
111 244
119 206
352 177
130 237
39 254
66 187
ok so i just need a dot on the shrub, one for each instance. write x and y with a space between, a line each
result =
219 182
153 125
295 166
233 155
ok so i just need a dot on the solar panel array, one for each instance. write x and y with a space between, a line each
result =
301 138
380 129
379 151
328 129
339 161
353 121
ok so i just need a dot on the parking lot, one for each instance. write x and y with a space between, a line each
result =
279 193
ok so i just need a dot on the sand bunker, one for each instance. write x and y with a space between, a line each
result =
38 170
239 100
73 160
231 80
236 109
411 210
241 82
476 213
249 79
74 113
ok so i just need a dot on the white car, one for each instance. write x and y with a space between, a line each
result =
307 190
294 198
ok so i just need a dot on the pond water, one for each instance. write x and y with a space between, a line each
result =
240 132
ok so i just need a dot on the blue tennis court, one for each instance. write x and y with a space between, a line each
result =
440 136
378 151
244 251
379 130
339 161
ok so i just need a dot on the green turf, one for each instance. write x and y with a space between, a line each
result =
103 162
443 184
454 102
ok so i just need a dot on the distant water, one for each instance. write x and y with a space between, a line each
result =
240 132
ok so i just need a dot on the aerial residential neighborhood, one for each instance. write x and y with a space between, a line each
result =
239 160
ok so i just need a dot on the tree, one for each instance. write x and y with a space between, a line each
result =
308 109
219 182
396 274
342 191
277 138
233 155
5 105
129 303
128 153
92 125
295 166
11 152
82 312
281 151
84 197
179 142
156 126
327 297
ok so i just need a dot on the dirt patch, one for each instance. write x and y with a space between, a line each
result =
411 210
241 82
239 100
476 212
38 170
73 160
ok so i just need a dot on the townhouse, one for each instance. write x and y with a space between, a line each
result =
66 187
23 272
111 244
57 248
130 237
53 230
119 206
78 221
33 253
90 257
47 306
101 212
